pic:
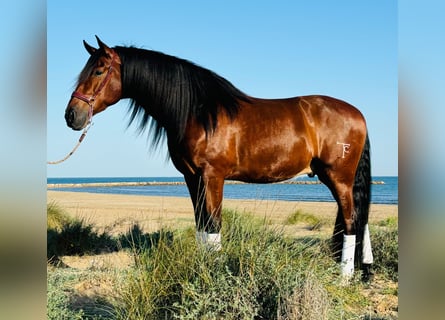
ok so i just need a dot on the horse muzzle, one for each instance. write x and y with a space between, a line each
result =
76 119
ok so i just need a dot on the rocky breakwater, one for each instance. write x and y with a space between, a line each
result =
163 183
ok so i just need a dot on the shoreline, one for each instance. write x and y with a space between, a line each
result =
118 212
164 183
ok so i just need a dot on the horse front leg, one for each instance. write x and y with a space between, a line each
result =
206 193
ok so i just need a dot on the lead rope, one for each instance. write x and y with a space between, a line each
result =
82 136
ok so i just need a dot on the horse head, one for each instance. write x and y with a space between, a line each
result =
98 86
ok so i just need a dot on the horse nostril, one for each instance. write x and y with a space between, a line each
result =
69 116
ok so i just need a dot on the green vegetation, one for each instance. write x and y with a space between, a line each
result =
67 236
58 301
385 244
312 222
56 218
63 302
391 222
259 274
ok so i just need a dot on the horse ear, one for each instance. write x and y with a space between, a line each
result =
89 48
101 44
107 50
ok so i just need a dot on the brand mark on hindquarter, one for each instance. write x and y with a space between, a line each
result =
346 147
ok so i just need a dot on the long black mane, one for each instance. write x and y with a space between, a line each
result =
167 91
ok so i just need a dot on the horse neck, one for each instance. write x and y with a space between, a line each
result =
172 107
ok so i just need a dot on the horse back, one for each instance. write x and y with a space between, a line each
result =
271 139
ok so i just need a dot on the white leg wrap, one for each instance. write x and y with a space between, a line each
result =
209 240
214 241
367 250
347 256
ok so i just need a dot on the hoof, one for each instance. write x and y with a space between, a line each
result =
367 274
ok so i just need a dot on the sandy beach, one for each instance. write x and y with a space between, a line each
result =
117 213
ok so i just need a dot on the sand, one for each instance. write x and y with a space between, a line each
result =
117 213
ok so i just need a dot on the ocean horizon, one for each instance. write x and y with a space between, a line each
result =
384 190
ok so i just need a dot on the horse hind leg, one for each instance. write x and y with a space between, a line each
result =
352 193
346 206
351 243
343 239
363 257
321 170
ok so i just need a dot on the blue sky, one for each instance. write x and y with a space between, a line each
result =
345 49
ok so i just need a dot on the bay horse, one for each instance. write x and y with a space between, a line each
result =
216 132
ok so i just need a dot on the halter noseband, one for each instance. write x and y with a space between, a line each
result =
90 99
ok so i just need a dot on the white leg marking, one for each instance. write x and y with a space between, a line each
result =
214 241
367 250
347 256
209 240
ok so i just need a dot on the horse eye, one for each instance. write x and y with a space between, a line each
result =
98 73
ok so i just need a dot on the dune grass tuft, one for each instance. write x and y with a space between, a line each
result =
70 236
56 217
385 246
258 274
312 222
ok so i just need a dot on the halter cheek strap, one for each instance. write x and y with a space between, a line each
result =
90 99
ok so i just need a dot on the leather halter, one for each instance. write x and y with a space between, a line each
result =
90 99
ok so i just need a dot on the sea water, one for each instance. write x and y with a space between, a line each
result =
385 192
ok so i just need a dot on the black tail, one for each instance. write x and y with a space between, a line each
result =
362 197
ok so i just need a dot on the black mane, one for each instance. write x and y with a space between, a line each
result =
166 92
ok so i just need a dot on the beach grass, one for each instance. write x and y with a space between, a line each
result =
72 236
258 274
56 217
261 273
299 216
385 243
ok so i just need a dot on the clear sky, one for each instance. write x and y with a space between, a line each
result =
268 49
